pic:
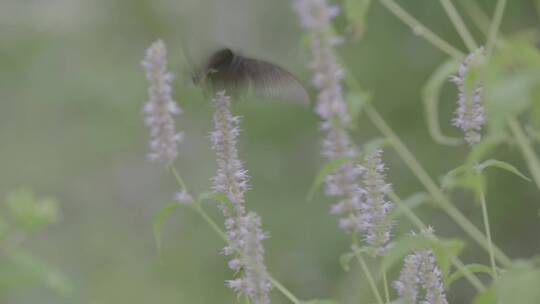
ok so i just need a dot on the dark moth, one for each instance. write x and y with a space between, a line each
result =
226 70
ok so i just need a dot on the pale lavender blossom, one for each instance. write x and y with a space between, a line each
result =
470 115
407 284
184 198
231 178
254 283
430 276
316 16
420 270
160 107
243 229
375 206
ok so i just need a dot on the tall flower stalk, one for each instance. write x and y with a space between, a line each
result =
160 108
421 277
470 114
243 229
316 16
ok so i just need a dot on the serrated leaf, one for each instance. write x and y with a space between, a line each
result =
473 268
160 219
501 165
328 168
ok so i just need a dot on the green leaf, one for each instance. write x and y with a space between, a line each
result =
488 297
412 202
444 250
355 100
23 269
330 167
501 165
519 285
375 144
480 150
473 268
463 177
356 12
160 219
31 213
213 196
431 95
345 261
402 247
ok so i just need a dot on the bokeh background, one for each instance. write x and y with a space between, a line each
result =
71 90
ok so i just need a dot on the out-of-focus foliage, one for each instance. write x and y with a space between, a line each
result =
24 216
71 91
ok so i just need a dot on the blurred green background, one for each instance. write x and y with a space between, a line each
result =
71 90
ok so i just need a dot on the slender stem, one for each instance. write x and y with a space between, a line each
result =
443 202
385 284
495 23
198 208
178 178
421 30
367 272
210 222
289 295
526 149
455 260
488 232
284 291
478 16
458 23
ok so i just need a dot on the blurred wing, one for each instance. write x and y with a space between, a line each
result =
271 81
236 74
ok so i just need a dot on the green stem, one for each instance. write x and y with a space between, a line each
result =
367 273
477 15
495 23
385 284
458 23
455 260
284 291
198 208
178 178
526 149
443 202
488 232
421 30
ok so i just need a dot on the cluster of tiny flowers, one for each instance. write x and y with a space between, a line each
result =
420 270
316 16
160 107
231 178
255 283
407 284
375 207
470 115
342 182
243 229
